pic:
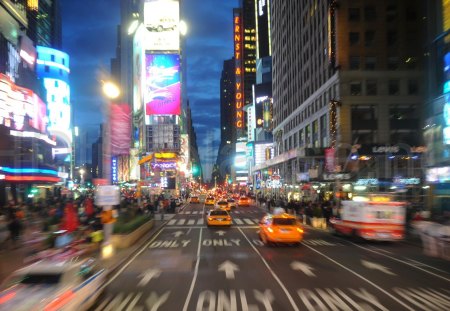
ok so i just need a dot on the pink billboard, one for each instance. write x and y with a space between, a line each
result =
21 109
120 129
162 87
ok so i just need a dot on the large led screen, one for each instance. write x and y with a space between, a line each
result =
161 18
162 84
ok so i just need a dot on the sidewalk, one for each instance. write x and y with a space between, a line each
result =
12 259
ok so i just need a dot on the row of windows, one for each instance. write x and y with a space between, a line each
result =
391 13
320 102
52 58
372 38
371 63
393 87
313 135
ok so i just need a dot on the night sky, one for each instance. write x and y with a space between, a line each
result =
90 39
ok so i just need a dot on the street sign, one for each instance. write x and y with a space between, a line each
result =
107 195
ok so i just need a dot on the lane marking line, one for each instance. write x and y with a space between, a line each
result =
194 279
404 262
361 277
286 292
133 258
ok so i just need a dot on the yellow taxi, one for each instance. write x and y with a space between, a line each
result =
209 201
195 200
231 203
280 228
223 204
244 201
218 217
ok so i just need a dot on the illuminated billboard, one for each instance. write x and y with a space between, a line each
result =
162 18
162 84
52 66
20 108
120 121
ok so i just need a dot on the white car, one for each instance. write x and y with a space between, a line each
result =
53 285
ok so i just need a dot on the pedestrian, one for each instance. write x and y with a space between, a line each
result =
15 228
161 209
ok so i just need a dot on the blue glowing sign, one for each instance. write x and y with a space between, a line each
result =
114 170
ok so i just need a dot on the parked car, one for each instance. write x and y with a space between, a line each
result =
53 285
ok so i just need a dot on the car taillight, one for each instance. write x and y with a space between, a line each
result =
210 218
228 218
270 230
7 297
57 303
300 230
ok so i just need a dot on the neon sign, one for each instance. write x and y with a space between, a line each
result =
164 165
114 169
239 97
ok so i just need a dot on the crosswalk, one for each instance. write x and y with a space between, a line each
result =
250 211
201 221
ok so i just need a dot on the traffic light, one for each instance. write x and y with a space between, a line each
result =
195 169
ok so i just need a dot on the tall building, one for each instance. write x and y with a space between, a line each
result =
27 150
226 149
44 23
347 97
244 33
437 108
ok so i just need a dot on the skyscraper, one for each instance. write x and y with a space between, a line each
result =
346 81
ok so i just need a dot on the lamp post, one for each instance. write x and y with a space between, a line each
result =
111 92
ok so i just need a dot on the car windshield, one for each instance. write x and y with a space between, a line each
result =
218 213
222 203
283 221
230 200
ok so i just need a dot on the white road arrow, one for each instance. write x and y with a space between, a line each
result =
148 275
178 233
220 233
229 269
303 267
376 266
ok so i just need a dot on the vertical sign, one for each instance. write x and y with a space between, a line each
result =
239 99
114 169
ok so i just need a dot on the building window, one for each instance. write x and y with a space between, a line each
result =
301 138
391 13
47 68
369 37
353 14
411 62
370 63
392 63
354 62
353 38
411 13
391 37
355 88
393 87
370 13
56 83
371 87
52 58
413 87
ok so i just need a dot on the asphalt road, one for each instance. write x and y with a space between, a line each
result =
187 266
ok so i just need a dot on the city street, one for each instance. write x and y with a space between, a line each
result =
188 266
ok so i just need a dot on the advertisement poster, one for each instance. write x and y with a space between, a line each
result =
329 160
161 18
162 88
120 129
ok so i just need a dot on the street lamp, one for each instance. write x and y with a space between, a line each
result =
110 89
